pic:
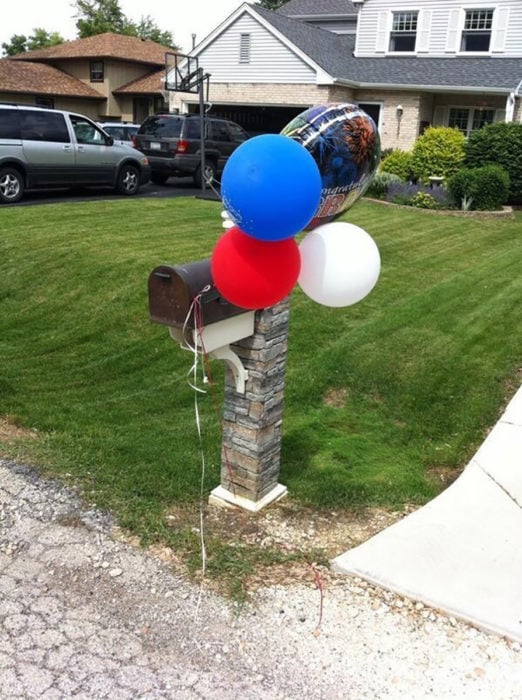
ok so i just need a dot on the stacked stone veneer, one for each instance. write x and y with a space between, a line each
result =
252 422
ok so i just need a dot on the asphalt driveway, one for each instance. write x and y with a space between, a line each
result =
174 187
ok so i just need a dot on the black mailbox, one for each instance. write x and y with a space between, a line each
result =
172 289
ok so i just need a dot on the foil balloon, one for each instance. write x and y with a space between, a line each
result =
345 144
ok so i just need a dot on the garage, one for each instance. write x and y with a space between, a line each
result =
255 119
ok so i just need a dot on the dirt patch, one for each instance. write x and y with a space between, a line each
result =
443 476
313 536
9 431
336 397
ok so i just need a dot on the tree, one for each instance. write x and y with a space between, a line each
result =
147 29
100 16
271 4
39 39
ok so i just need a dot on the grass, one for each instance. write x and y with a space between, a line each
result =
377 396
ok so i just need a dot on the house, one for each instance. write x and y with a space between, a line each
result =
106 77
408 63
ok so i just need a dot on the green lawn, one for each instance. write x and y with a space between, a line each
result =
377 394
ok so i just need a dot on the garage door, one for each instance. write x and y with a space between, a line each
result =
257 120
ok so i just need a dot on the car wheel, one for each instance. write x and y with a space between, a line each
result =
128 180
12 185
159 179
210 174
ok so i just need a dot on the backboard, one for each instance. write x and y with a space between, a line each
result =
182 73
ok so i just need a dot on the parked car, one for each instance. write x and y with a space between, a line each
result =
46 148
172 143
121 132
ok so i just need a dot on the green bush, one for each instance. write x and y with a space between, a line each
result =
380 184
397 163
424 200
501 144
483 189
438 152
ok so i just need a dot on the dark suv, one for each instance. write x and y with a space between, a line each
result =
172 143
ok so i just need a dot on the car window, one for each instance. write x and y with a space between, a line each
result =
10 124
43 126
120 132
115 131
193 129
162 127
220 131
86 132
238 133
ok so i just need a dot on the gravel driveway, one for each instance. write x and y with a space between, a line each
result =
84 615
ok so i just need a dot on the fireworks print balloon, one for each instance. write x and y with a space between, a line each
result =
345 144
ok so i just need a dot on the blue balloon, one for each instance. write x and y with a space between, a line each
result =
271 187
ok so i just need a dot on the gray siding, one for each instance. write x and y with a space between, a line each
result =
271 61
439 26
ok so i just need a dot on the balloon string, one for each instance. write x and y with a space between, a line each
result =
210 184
195 312
210 380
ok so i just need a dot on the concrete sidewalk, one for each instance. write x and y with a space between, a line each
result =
461 553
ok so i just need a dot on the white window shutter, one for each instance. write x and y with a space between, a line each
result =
499 30
500 115
383 32
438 116
423 33
452 37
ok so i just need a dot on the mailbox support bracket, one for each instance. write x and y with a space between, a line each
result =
235 364
214 340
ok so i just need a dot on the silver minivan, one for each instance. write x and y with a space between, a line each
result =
46 148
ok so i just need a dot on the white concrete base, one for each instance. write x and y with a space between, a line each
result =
225 499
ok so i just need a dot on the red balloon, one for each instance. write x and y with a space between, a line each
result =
252 273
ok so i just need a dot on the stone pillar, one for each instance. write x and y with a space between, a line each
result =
252 422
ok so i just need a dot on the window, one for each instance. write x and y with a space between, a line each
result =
97 72
469 119
238 133
476 35
220 131
404 31
244 48
86 132
44 126
193 129
10 124
44 102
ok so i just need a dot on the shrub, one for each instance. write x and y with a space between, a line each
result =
386 152
483 189
439 151
418 195
398 163
501 144
424 200
380 184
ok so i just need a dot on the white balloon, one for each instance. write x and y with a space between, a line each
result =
340 264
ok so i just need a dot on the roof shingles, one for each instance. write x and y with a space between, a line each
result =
334 54
40 79
108 45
